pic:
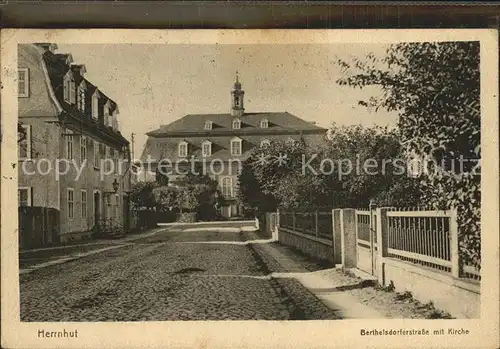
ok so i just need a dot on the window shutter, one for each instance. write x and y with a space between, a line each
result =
29 142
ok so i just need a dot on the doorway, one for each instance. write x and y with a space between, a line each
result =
97 208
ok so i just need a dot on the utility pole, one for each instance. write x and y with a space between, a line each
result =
132 138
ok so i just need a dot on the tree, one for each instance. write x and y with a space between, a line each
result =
166 197
142 195
434 87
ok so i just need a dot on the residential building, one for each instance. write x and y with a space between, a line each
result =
222 142
71 137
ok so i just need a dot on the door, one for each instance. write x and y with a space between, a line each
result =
97 208
366 241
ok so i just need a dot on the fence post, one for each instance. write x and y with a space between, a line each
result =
382 243
456 266
336 240
348 237
316 227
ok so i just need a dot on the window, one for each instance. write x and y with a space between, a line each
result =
24 195
107 117
84 203
97 157
71 203
83 148
183 149
236 146
236 124
69 147
95 106
264 123
69 91
81 97
206 148
24 143
23 82
227 187
208 125
107 157
265 143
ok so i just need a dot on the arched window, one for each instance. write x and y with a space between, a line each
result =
206 148
236 124
208 125
227 187
264 123
183 149
236 146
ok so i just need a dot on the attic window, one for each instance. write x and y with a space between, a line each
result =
236 124
81 97
23 82
208 125
183 149
264 123
236 146
206 148
69 89
95 106
107 116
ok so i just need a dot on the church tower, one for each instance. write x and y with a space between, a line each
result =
237 95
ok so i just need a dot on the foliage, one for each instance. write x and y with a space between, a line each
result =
187 217
434 87
167 197
161 178
369 165
142 194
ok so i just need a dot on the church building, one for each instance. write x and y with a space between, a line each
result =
223 141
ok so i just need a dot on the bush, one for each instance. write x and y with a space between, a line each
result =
188 217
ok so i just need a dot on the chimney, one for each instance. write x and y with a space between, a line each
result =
66 58
79 68
48 46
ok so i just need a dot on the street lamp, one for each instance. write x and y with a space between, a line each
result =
115 185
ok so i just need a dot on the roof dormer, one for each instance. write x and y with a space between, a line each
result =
264 123
69 92
95 104
208 125
236 124
182 149
206 148
236 146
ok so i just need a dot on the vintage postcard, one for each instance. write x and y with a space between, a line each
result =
249 188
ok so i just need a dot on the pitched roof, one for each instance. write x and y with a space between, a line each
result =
167 148
57 68
221 123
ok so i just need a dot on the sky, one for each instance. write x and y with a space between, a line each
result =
156 84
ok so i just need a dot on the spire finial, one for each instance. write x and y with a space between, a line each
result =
237 76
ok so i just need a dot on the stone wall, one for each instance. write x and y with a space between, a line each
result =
314 247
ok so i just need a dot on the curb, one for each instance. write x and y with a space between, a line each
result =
68 259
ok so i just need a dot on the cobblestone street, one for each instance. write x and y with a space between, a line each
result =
168 276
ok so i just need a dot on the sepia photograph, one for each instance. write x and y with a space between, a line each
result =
164 182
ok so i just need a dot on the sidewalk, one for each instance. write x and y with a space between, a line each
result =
350 296
327 285
34 259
